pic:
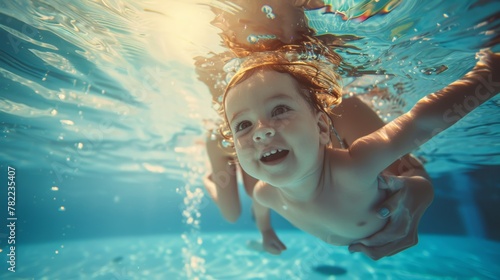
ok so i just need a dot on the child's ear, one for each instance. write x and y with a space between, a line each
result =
324 127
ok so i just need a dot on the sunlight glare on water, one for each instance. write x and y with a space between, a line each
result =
109 86
117 85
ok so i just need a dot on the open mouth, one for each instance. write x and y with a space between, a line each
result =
274 156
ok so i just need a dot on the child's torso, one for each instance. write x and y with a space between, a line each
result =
339 216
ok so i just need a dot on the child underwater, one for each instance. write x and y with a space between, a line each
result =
279 109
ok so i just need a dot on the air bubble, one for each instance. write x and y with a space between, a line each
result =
225 143
252 39
267 9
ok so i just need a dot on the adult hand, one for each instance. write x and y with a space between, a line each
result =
408 199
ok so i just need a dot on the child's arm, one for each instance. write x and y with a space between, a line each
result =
354 119
430 116
222 186
270 241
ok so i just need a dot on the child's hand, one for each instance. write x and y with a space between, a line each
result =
489 58
408 200
491 61
271 243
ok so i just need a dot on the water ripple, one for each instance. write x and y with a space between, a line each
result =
121 72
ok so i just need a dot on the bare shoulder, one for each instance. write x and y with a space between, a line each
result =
265 194
344 171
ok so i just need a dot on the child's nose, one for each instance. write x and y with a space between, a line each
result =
263 133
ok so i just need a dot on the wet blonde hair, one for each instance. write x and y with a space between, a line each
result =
312 64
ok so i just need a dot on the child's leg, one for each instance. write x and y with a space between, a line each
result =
221 183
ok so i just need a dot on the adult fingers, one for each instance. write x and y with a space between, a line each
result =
384 212
391 183
379 239
397 228
389 206
392 203
378 252
374 253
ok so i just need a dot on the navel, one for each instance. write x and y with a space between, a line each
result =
362 223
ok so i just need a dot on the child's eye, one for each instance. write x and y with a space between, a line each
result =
242 125
280 109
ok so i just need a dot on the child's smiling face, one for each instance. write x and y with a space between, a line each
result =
277 136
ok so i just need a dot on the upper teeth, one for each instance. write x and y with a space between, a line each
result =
272 152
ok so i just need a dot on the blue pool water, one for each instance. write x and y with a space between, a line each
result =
102 129
230 256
